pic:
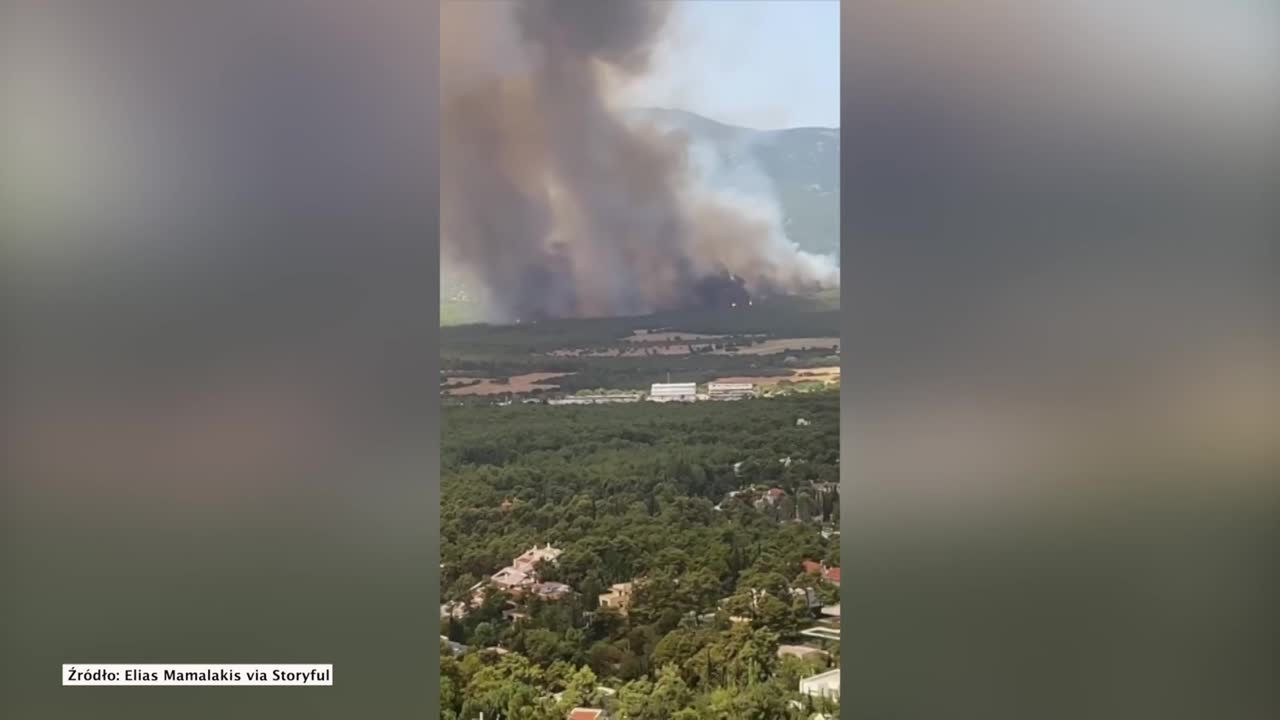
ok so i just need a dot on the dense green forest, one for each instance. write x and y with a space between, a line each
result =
672 497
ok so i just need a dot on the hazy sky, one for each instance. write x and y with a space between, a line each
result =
758 63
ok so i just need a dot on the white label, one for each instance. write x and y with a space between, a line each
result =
196 675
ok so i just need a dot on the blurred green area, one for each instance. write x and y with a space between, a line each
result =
1151 601
276 580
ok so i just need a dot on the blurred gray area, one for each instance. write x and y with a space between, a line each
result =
1060 416
1058 269
219 223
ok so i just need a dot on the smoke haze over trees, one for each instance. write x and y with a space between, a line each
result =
559 207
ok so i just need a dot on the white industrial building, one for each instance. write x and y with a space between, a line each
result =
673 392
730 390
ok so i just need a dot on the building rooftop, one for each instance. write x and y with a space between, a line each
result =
552 589
510 577
800 651
528 561
827 683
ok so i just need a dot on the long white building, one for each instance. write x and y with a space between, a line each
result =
597 399
673 392
730 390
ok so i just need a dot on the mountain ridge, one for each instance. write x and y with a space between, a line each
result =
798 168
795 170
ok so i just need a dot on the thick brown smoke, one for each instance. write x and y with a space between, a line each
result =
555 204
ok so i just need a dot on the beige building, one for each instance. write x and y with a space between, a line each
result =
528 562
520 575
618 597
730 390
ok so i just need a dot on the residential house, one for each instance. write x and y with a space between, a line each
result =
511 578
825 685
618 597
528 562
520 575
830 574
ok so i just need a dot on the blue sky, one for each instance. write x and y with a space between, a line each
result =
759 63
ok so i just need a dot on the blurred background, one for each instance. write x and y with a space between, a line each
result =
1060 417
1059 410
220 270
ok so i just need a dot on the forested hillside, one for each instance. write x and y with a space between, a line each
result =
708 508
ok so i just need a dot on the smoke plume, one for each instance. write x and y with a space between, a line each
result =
554 203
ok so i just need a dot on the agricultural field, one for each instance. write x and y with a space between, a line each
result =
781 338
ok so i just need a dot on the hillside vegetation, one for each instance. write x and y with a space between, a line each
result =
651 494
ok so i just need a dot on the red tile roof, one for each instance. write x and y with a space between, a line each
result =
812 567
585 714
833 575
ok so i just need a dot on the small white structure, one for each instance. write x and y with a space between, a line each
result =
673 392
825 685
730 390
